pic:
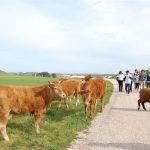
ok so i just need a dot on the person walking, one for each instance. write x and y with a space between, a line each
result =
136 81
120 79
142 78
131 82
135 73
127 79
148 79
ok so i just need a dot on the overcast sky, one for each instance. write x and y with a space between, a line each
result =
74 36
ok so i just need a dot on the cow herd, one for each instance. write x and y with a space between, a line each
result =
37 100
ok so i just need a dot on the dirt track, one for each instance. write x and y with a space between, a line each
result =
120 127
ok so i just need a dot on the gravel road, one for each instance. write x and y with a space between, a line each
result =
119 127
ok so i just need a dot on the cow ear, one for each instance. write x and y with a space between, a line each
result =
60 81
88 77
52 85
84 92
83 81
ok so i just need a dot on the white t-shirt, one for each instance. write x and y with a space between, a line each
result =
120 77
128 78
136 79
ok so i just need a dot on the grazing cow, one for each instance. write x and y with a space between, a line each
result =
22 100
93 89
144 97
70 87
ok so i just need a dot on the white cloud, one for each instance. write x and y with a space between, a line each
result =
22 23
128 24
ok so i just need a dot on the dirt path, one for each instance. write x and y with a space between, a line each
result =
120 127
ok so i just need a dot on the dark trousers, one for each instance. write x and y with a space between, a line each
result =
120 82
131 86
127 88
137 86
148 84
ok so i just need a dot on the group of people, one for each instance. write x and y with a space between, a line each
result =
138 78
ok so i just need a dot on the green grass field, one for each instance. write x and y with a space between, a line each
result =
58 127
24 80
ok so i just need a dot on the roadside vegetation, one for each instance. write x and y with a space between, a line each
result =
58 127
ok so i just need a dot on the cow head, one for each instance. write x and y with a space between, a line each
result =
57 89
85 91
86 94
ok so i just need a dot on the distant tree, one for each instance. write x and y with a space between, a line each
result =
1 71
53 75
44 74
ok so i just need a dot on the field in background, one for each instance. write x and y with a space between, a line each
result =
58 127
24 80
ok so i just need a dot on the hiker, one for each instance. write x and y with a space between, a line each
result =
120 78
131 83
136 80
135 73
142 78
127 79
148 79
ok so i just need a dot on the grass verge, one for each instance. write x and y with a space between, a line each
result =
58 127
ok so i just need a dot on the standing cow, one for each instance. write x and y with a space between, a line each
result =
93 89
22 100
71 87
144 97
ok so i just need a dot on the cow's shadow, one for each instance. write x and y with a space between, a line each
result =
128 109
25 125
125 146
58 114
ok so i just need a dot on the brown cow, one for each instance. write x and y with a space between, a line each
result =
144 97
71 87
93 89
22 100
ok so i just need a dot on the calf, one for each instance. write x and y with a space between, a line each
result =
93 89
71 87
144 97
22 100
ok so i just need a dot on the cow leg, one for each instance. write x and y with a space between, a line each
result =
3 123
95 106
59 106
70 98
10 117
86 105
92 108
139 104
50 105
102 104
37 117
4 132
143 105
77 100
66 103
